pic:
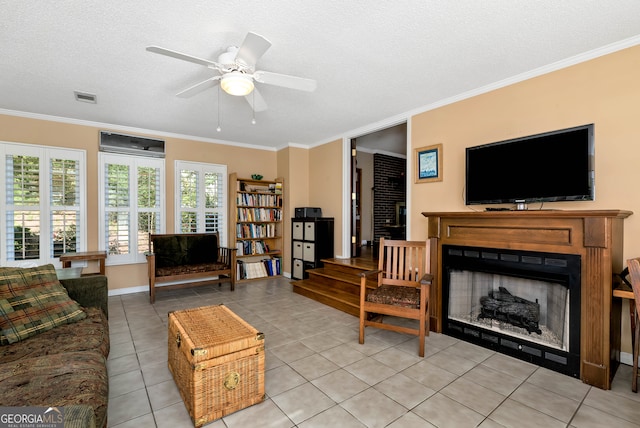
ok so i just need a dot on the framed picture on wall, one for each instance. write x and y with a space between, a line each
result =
428 163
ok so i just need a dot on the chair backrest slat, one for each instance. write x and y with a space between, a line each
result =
403 260
400 258
634 274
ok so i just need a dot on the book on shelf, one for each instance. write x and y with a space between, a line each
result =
257 188
267 266
273 265
247 231
259 269
259 214
257 199
240 272
256 270
276 188
247 248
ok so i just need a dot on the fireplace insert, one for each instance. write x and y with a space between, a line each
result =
521 303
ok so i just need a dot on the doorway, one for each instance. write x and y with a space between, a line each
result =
378 188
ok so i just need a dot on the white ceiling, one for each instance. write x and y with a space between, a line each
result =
374 61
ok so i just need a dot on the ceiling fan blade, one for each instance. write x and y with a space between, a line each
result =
256 101
199 87
182 56
252 48
293 82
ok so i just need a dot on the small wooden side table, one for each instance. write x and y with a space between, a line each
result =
100 256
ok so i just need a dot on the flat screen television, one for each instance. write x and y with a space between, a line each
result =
548 167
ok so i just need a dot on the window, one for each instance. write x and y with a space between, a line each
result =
201 202
44 203
131 205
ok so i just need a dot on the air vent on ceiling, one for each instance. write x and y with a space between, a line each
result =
131 145
85 97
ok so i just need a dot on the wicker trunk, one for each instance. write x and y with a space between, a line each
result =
217 361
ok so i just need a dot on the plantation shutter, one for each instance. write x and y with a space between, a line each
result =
133 202
202 198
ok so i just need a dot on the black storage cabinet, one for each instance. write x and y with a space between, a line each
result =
311 241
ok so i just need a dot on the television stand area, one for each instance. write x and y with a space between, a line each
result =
594 235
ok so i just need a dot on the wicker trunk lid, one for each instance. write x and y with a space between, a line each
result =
217 361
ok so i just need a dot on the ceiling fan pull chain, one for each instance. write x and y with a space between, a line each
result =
218 128
253 108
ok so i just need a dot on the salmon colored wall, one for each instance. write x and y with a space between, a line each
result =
283 172
292 182
325 186
298 180
604 91
244 161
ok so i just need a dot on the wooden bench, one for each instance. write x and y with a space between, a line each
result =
190 257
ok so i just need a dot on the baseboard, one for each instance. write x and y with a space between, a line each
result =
626 358
129 290
145 288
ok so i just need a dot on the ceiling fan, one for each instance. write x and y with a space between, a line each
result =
237 73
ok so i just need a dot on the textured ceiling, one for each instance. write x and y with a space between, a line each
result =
374 61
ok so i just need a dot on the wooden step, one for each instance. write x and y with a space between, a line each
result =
326 273
347 281
343 270
358 265
329 280
346 269
336 284
328 295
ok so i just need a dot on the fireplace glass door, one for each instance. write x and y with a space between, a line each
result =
530 309
523 304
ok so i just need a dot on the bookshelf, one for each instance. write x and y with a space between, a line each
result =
256 226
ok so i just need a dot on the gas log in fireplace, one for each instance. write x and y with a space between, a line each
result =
560 243
521 303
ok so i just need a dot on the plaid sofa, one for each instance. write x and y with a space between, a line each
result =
55 364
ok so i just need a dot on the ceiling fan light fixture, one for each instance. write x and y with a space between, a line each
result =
236 83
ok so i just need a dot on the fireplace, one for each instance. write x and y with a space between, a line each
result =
521 303
595 237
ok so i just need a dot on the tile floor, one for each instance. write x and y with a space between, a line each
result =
317 374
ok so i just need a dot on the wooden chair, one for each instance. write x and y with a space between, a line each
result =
634 274
398 288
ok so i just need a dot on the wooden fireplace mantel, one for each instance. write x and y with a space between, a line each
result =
595 235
